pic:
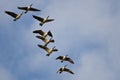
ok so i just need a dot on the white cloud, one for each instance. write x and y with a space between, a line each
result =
94 66
88 20
79 22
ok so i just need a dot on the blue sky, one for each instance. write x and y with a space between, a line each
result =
87 30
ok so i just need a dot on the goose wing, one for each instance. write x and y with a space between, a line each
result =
39 32
11 14
70 60
59 57
52 40
40 37
49 20
22 8
58 70
38 18
34 9
43 47
55 49
50 34
68 70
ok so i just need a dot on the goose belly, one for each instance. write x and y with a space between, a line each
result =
63 58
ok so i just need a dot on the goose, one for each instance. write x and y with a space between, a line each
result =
65 58
64 69
28 8
43 20
14 15
43 34
48 50
47 41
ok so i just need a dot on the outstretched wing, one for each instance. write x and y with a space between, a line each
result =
50 34
68 70
70 60
43 39
52 40
58 70
43 47
49 20
34 9
55 49
22 8
11 14
38 18
40 37
39 32
59 57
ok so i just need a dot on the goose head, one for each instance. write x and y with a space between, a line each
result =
41 24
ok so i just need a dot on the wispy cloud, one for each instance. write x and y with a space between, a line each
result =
88 31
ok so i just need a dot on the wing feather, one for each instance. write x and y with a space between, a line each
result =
49 20
40 37
68 70
55 49
50 34
43 47
59 57
34 9
11 14
22 8
39 32
38 18
70 60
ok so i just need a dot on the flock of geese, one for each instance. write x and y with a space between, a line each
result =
43 36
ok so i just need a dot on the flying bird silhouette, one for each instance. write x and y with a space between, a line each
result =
48 50
46 41
62 69
65 58
14 15
28 8
43 20
43 34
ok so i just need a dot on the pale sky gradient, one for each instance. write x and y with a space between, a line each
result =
87 30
